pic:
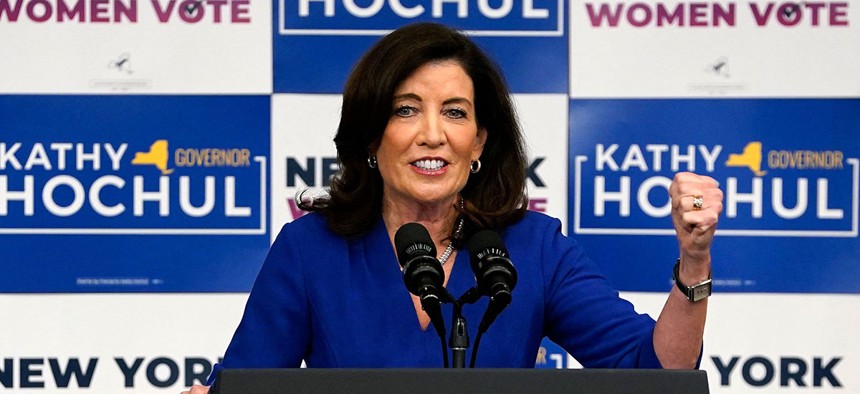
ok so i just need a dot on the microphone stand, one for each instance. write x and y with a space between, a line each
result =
459 339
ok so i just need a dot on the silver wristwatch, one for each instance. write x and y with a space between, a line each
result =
696 292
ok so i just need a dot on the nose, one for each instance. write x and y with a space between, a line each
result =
432 132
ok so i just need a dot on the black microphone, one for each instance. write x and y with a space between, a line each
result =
494 271
423 274
416 253
496 277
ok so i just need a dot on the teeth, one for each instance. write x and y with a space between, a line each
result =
431 165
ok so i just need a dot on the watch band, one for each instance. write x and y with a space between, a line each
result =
696 292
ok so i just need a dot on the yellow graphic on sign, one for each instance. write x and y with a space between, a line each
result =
750 158
156 156
541 356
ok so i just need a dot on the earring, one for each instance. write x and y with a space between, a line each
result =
371 161
475 166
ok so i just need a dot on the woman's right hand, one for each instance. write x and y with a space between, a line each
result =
197 389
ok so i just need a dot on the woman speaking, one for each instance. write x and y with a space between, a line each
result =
428 135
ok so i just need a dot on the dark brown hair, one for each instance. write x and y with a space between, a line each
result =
494 197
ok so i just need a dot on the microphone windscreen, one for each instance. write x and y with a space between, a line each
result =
411 240
484 243
493 269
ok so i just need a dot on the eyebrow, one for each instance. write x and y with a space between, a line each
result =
407 96
457 100
413 96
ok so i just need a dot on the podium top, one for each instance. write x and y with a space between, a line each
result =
496 381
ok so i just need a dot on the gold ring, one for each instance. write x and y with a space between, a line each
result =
698 202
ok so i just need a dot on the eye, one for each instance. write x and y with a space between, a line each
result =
455 113
404 111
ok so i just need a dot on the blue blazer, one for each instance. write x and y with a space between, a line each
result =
338 302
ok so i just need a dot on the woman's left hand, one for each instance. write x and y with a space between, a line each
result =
696 205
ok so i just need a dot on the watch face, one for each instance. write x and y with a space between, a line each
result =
700 291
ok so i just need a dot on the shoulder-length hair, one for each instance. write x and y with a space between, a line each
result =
494 197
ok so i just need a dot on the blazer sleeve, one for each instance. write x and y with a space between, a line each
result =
275 329
585 315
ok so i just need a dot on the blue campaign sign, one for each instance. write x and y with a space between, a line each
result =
534 17
133 193
551 356
788 169
317 42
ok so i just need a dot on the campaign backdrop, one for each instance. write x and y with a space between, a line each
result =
133 193
150 151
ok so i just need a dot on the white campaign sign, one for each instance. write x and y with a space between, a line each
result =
140 47
112 343
774 343
625 49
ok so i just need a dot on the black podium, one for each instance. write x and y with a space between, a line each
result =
449 381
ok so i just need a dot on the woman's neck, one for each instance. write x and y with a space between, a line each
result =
438 218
